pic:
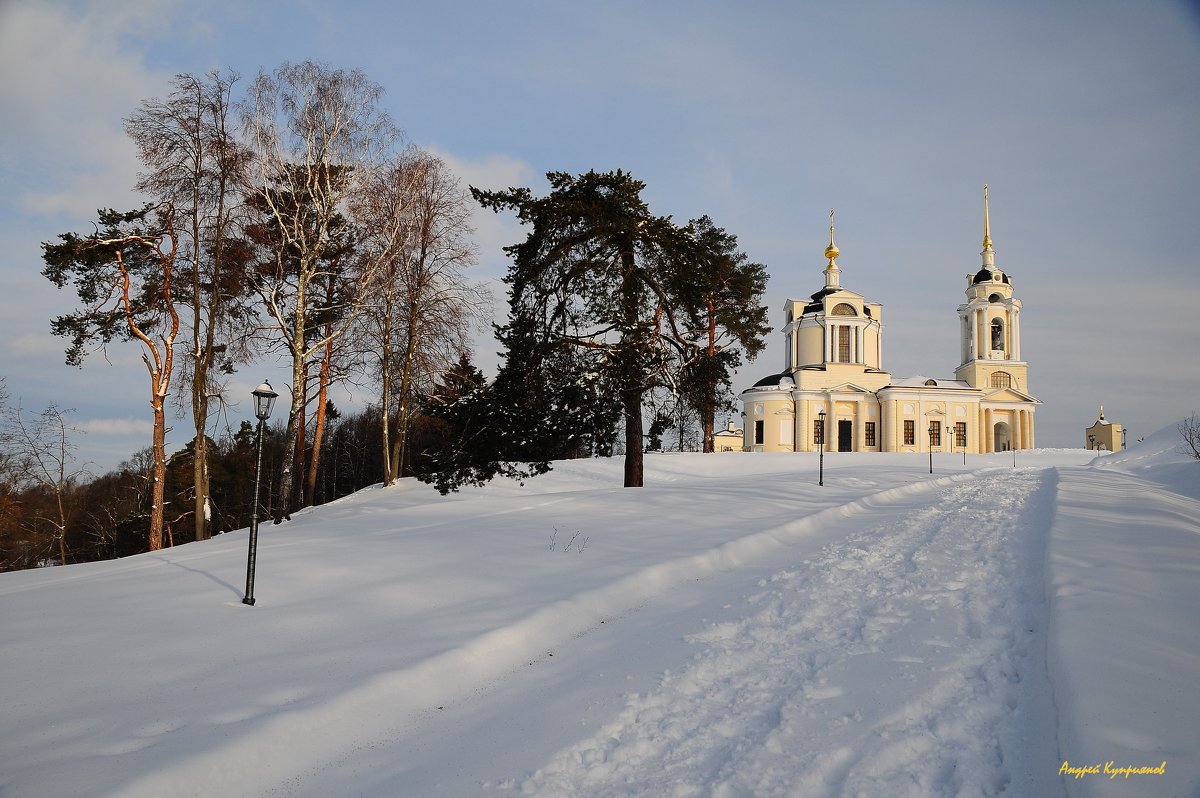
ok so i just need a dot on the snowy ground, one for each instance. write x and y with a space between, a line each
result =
730 630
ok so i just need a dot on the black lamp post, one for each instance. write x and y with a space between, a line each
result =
931 423
264 400
821 448
1092 442
1123 431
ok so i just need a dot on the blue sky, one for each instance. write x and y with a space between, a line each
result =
1082 117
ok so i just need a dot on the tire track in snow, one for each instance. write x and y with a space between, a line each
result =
907 659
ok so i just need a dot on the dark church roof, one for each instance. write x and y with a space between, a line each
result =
985 274
815 304
772 380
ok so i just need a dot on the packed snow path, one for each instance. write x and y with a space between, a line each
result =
907 659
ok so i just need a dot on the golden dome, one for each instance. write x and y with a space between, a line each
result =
831 251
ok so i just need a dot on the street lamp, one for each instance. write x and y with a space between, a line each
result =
1123 431
931 431
821 448
264 400
1091 442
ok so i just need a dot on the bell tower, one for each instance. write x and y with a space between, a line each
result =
990 325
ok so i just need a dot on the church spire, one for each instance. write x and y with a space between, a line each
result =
987 228
832 272
989 255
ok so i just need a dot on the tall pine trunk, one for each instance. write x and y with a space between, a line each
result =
159 479
632 390
709 401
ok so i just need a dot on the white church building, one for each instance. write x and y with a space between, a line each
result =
834 390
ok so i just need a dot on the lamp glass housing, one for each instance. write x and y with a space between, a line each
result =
264 400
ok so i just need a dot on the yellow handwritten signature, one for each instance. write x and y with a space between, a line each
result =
1110 769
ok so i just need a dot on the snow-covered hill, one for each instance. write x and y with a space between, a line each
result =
730 630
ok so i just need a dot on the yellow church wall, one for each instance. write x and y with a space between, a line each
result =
1103 435
856 407
979 374
810 345
838 374
871 348
775 411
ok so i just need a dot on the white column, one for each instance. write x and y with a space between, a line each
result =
980 333
860 427
965 348
1012 334
1016 331
830 422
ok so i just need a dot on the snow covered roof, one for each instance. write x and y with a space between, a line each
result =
921 381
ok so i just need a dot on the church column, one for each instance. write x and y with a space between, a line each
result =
990 433
1011 324
830 330
830 422
1016 332
860 426
980 333
965 349
886 439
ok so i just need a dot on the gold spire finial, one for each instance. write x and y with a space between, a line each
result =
831 251
987 231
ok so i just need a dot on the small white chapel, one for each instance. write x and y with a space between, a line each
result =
834 392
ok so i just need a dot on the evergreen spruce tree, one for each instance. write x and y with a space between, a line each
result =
594 288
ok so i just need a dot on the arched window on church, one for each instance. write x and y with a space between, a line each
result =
843 309
997 335
1001 379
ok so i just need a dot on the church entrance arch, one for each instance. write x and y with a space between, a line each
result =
1003 437
845 436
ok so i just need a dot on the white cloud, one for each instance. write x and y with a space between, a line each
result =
493 231
67 78
117 426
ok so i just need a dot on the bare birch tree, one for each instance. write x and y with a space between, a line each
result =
193 159
317 135
424 308
42 454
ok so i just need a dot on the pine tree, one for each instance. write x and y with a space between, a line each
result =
123 274
594 286
722 309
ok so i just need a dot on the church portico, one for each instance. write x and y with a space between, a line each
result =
833 364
